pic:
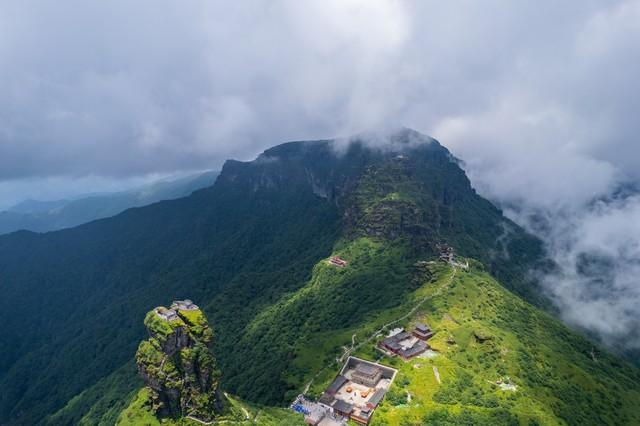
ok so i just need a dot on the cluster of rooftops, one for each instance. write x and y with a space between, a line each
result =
356 391
361 385
407 345
171 314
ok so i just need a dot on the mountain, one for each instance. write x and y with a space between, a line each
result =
43 216
177 366
494 360
253 250
32 207
181 378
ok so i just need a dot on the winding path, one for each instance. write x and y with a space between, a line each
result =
353 348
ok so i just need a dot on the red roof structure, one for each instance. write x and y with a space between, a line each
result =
338 261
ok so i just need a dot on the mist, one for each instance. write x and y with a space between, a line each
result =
597 251
539 99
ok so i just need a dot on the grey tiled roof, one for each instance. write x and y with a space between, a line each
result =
377 397
336 384
366 369
342 406
419 347
423 328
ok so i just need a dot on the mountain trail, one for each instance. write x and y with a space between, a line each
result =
350 350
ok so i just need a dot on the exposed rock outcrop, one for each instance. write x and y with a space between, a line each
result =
389 202
177 365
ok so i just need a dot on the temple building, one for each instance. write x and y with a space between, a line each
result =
423 331
184 305
357 391
366 374
166 314
403 344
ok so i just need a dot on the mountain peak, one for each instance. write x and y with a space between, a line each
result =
393 135
385 139
176 364
330 167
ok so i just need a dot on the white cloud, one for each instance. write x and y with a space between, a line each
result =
540 99
598 251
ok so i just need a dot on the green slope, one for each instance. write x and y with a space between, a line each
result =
395 214
245 249
483 333
101 404
561 378
74 318
239 414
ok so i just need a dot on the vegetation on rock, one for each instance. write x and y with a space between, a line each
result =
177 367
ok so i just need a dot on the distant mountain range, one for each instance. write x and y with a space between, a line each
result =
43 216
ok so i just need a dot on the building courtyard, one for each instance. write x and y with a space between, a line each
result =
358 389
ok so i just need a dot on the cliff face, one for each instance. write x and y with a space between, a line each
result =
176 364
389 202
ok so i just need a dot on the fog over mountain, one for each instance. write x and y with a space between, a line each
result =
43 216
539 100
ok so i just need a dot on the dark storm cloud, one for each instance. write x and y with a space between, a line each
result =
539 98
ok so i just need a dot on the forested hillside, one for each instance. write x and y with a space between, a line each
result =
72 299
497 360
246 249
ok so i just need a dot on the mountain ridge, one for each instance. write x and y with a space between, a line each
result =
44 216
250 247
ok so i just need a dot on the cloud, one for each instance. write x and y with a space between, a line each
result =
118 88
57 188
540 99
552 145
121 89
597 249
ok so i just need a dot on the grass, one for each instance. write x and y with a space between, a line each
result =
483 333
334 343
496 335
194 317
279 338
138 414
160 327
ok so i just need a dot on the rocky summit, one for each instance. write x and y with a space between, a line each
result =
176 364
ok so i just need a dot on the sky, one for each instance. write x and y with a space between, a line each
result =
540 99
